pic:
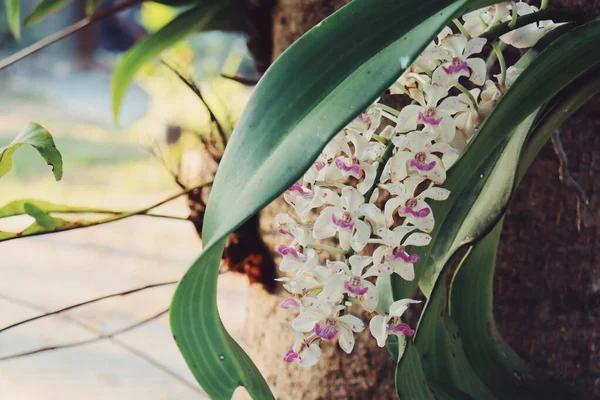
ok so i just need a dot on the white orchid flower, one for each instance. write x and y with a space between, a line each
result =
344 219
461 63
392 256
325 321
434 118
289 227
481 20
351 281
417 153
528 35
381 326
414 208
305 352
304 199
305 281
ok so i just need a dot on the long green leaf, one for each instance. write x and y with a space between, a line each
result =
473 208
471 300
42 9
316 87
39 138
13 17
192 20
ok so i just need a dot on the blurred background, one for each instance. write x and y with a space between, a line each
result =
120 165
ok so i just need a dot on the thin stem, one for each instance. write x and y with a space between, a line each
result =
85 303
68 31
380 139
241 79
502 62
466 92
336 185
388 109
515 16
566 178
323 247
109 219
117 342
462 29
192 85
544 5
87 341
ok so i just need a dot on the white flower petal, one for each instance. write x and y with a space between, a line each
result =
378 328
305 322
361 235
352 322
346 339
400 306
324 227
333 291
417 239
369 299
310 356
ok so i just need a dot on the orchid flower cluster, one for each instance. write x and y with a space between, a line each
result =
370 189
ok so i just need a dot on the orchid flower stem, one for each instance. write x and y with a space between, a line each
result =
323 247
388 109
466 92
401 88
544 5
428 71
515 16
502 61
329 184
380 139
462 29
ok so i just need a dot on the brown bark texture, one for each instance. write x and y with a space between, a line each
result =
547 286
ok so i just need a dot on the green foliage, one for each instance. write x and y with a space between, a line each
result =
13 17
39 138
206 15
481 189
43 9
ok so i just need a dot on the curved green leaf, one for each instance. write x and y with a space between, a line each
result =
39 138
13 17
482 180
471 300
316 87
200 17
411 382
42 9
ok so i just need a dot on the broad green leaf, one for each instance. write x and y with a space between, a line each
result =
471 300
482 180
13 17
195 19
411 382
471 308
39 138
316 87
42 9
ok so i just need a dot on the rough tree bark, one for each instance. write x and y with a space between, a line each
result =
548 280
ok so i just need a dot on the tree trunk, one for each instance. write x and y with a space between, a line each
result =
548 280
